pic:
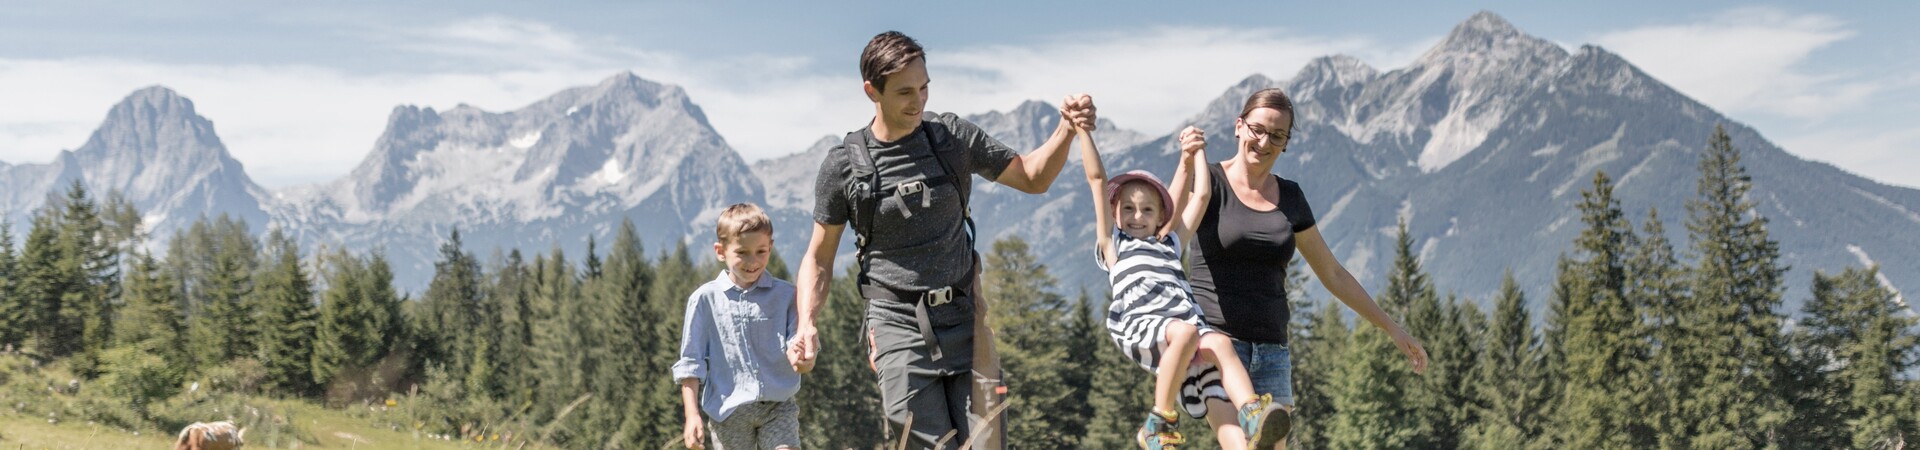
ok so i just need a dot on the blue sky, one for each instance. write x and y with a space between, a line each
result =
300 90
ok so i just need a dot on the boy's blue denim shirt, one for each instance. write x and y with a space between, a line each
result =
735 342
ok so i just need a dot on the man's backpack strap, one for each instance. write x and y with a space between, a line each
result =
863 191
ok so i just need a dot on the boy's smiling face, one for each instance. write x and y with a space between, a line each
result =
746 257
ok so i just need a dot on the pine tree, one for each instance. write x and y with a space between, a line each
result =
840 399
1028 325
1600 401
675 278
218 261
1856 324
13 305
1315 336
1732 328
44 285
1658 293
152 320
556 340
93 261
621 341
358 317
512 296
1371 385
451 302
1077 372
1507 377
1317 357
287 316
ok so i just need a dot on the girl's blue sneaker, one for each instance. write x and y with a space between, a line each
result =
1161 432
1264 423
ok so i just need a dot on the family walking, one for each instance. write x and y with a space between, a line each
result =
1197 271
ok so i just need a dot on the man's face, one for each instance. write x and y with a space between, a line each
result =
905 96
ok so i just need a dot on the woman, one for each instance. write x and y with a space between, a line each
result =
1247 234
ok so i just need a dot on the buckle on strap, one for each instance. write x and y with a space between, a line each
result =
939 296
909 188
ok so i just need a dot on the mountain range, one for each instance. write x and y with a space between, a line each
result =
1481 145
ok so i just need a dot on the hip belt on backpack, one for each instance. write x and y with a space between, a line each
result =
921 300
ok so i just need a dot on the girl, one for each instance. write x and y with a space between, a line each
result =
1152 316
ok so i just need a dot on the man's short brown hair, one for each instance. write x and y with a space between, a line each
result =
886 54
739 219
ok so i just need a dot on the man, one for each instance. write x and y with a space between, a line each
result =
902 182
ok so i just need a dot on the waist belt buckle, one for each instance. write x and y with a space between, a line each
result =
940 296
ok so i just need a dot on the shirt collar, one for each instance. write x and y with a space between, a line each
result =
765 281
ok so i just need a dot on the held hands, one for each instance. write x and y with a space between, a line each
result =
796 358
1416 354
1192 141
694 435
1078 109
804 348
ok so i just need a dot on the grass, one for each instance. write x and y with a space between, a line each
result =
319 427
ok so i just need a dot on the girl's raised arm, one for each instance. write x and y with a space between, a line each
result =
1192 171
1102 211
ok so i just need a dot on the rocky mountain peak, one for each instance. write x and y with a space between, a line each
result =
1486 41
155 121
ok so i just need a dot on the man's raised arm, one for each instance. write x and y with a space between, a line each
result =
1034 172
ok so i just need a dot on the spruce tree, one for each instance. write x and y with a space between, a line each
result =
152 320
452 300
1371 386
358 317
512 296
288 318
1600 401
621 341
1867 343
44 284
1028 323
92 259
556 340
1077 370
1317 356
1732 328
676 276
13 305
219 283
1507 377
1658 292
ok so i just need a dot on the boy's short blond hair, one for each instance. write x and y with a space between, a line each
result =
739 219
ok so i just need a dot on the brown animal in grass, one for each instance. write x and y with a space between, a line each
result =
222 435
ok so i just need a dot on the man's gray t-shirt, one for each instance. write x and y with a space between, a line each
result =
918 243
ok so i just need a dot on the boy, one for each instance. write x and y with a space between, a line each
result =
734 341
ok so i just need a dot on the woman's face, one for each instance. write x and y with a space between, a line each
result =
1263 135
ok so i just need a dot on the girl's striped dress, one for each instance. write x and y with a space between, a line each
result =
1149 290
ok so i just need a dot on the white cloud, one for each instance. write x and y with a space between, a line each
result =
297 124
1147 80
1748 60
1885 156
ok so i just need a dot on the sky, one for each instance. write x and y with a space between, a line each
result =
299 91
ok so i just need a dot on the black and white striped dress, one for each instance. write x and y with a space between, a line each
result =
1149 291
